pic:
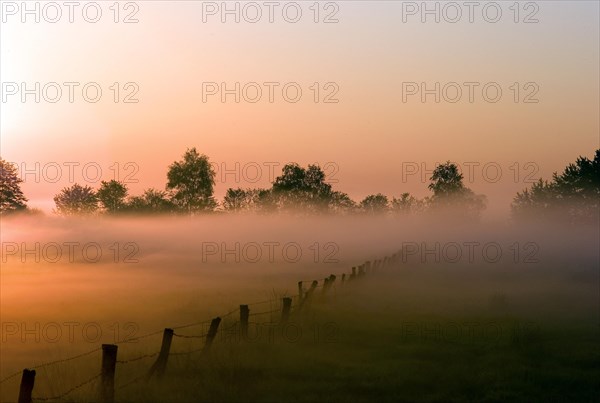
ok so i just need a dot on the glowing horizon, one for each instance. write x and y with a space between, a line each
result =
369 53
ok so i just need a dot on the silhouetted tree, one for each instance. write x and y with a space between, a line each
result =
265 201
446 180
406 204
451 196
341 203
235 199
302 189
75 200
375 204
240 199
112 196
574 195
191 182
11 196
152 201
536 200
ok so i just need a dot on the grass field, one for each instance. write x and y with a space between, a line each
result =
420 331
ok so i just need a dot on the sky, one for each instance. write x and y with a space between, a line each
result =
365 121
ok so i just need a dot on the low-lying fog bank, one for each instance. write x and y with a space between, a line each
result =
158 272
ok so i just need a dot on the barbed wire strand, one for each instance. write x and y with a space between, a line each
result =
132 381
139 337
186 352
230 313
137 358
82 384
201 336
206 322
263 313
231 326
52 363
10 376
262 302
294 296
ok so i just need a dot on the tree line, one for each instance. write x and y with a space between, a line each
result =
572 195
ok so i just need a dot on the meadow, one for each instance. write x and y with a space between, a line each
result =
451 321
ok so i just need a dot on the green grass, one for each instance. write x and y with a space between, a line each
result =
388 338
371 357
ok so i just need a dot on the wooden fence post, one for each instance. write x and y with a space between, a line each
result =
285 312
325 286
353 275
312 288
328 283
212 333
27 382
244 317
343 277
299 291
161 362
308 295
107 382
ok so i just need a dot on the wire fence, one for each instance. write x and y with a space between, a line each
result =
73 389
276 306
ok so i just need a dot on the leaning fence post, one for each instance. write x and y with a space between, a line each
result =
109 363
244 316
312 288
27 381
325 286
299 291
212 333
161 362
328 283
285 312
308 295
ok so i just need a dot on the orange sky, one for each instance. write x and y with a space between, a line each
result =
367 137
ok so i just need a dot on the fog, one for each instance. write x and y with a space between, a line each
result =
132 276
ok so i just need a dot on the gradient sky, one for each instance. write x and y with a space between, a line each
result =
367 136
